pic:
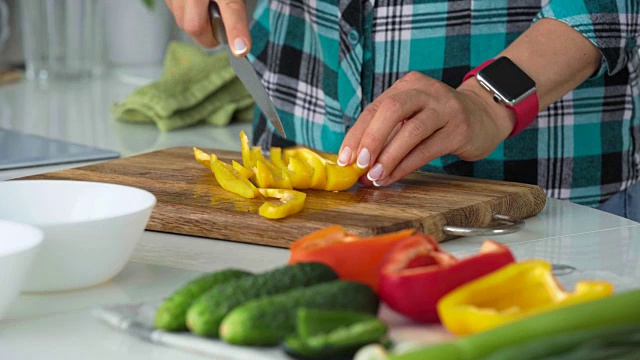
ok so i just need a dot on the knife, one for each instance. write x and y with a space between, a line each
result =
245 71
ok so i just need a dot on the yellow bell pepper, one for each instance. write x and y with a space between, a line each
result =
336 177
314 161
291 202
267 174
298 172
247 173
247 160
511 293
231 180
202 157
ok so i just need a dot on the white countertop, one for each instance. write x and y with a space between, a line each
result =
59 325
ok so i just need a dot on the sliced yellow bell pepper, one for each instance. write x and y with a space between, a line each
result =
275 155
231 180
341 177
298 171
267 174
303 172
337 178
511 293
247 173
315 161
290 202
247 160
202 157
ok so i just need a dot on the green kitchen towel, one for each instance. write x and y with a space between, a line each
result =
194 87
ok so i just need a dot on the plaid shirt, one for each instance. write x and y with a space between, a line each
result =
323 61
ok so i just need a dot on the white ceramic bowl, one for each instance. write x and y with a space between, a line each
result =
90 228
19 243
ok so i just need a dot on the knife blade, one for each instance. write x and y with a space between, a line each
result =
245 72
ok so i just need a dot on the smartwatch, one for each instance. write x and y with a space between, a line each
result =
511 87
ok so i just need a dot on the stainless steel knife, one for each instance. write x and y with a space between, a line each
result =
245 71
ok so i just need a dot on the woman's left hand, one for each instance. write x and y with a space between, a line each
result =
419 119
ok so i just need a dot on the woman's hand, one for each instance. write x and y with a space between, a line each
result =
193 17
419 119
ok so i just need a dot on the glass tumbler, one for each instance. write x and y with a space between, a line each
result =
62 38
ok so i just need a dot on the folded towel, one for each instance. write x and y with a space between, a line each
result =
194 87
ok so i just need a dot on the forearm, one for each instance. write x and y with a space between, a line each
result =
557 57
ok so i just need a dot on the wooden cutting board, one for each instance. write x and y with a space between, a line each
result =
191 202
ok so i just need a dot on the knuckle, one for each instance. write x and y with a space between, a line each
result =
370 110
194 27
391 105
412 76
416 125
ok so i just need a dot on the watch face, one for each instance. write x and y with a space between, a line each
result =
506 78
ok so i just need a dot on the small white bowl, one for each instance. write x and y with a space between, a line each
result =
90 228
19 243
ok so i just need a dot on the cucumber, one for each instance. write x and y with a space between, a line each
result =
206 313
173 310
312 322
269 320
323 334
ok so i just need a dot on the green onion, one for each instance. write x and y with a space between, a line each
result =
596 343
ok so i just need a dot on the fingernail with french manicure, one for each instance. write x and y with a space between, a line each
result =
239 46
377 183
375 172
344 157
363 158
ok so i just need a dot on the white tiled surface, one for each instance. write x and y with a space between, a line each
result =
59 325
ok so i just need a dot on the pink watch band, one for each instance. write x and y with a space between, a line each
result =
526 110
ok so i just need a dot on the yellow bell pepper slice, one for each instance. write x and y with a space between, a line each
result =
298 172
267 174
275 155
341 177
315 161
247 173
290 202
303 173
264 176
202 157
247 159
514 292
337 178
231 180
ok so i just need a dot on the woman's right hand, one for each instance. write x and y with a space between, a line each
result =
193 17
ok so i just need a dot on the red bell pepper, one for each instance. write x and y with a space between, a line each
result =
350 256
417 273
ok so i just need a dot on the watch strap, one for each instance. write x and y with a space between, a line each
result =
526 110
526 113
475 71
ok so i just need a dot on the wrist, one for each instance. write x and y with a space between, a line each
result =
504 118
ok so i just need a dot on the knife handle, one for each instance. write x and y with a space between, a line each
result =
217 25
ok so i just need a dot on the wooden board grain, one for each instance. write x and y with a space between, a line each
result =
190 201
